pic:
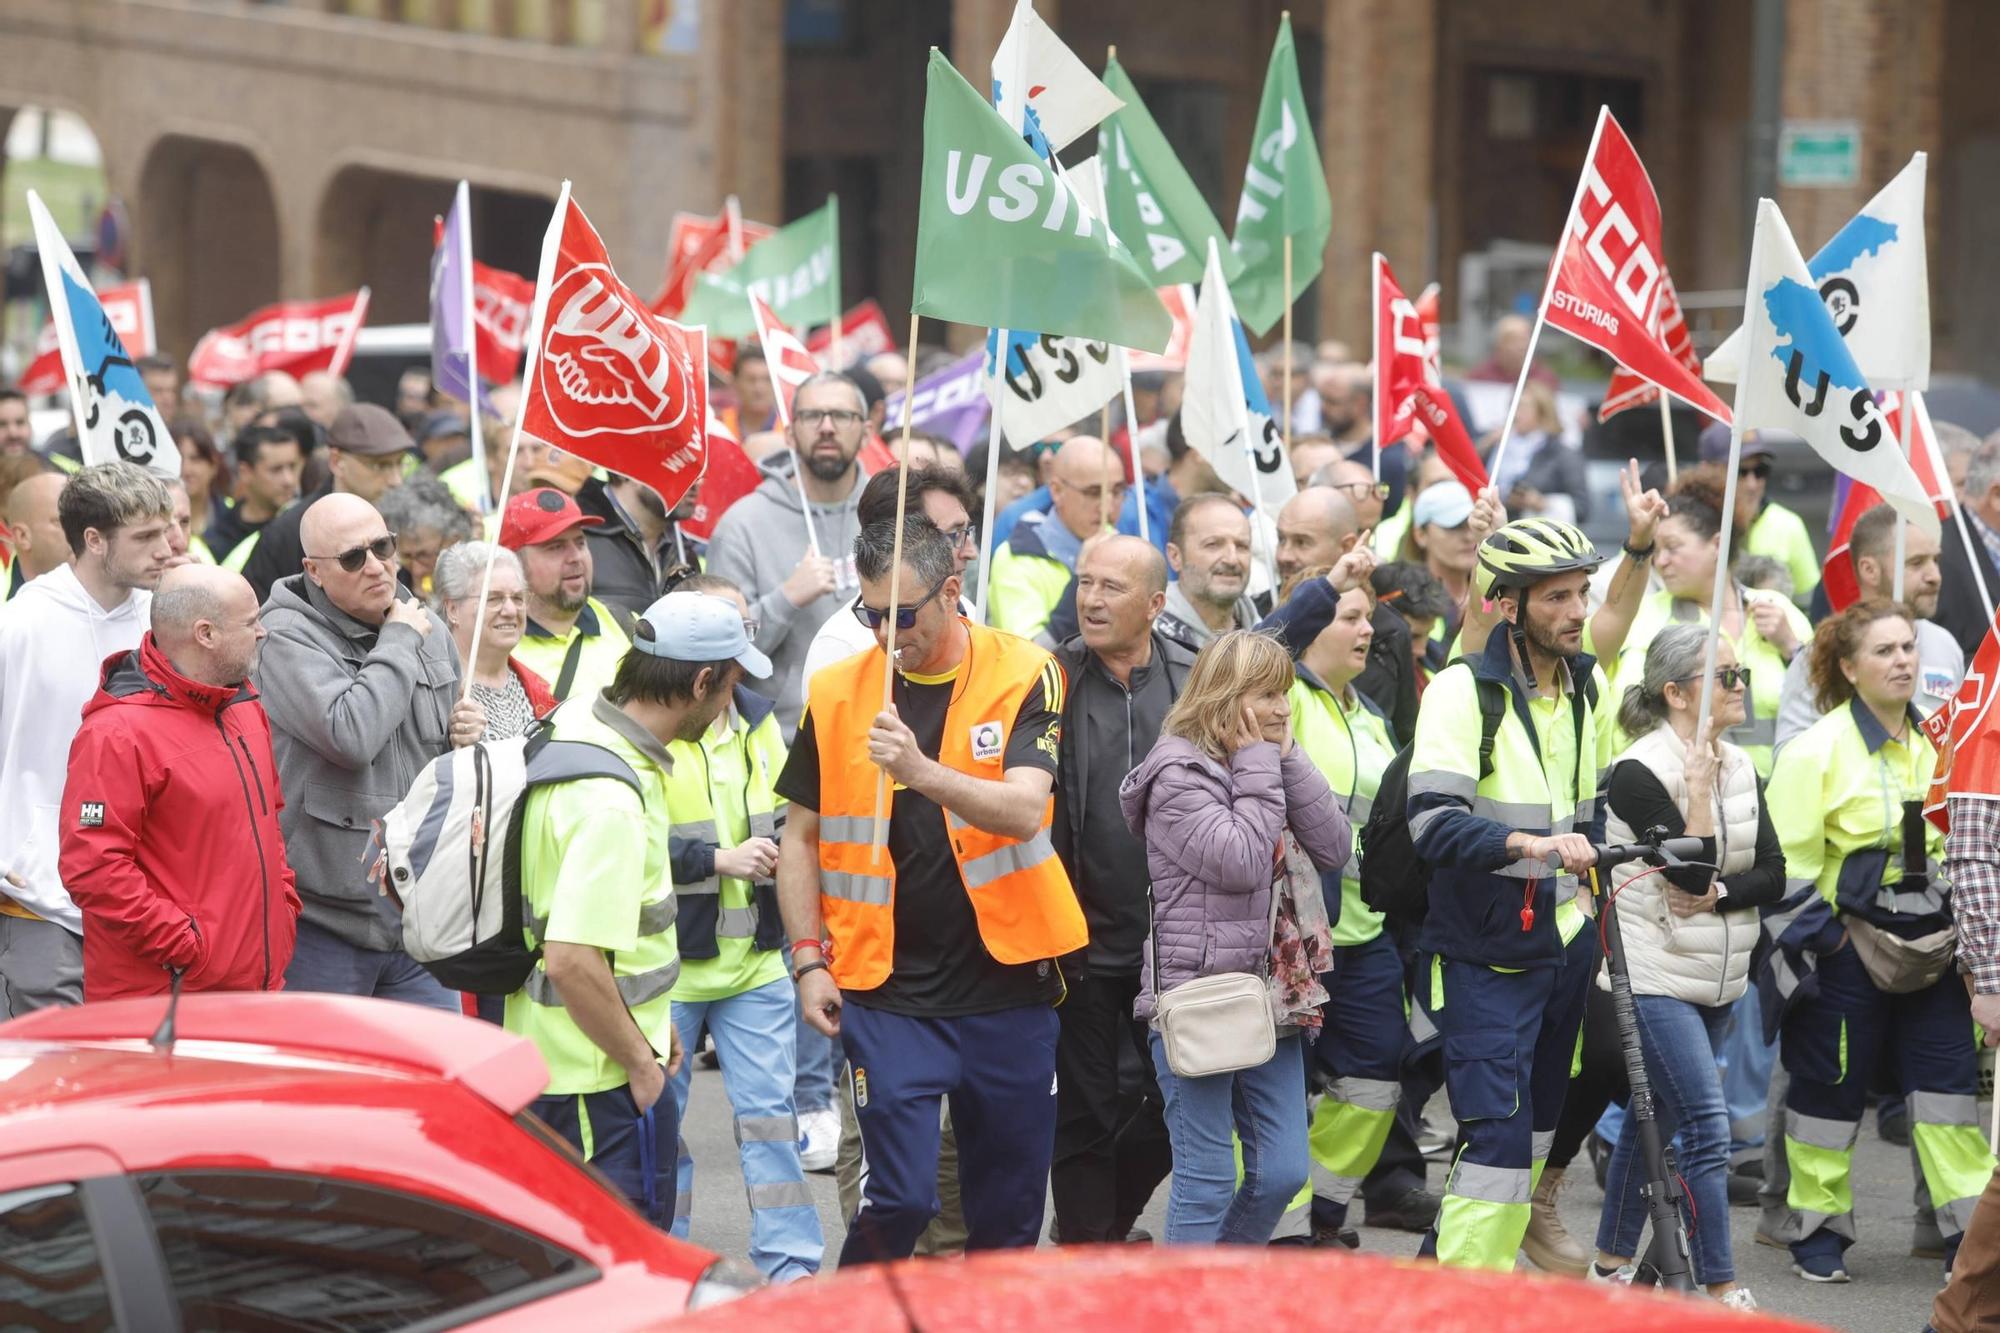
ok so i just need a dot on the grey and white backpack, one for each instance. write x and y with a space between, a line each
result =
461 904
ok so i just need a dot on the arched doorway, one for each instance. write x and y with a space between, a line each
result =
207 236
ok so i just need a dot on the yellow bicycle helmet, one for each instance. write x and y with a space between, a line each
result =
1526 551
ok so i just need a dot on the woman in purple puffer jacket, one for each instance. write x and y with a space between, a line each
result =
1232 812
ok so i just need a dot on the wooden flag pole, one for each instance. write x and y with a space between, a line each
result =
1286 406
1902 527
544 279
838 347
1667 436
880 838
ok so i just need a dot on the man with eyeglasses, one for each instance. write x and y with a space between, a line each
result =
899 935
786 544
573 641
366 448
361 687
1033 568
1772 529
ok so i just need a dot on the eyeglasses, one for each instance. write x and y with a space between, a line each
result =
383 548
1362 490
841 417
965 534
1761 471
1095 494
906 616
1728 677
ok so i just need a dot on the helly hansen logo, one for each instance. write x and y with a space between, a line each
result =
90 815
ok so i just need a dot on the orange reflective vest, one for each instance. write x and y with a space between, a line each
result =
1021 895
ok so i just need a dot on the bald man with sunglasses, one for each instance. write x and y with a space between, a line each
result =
361 687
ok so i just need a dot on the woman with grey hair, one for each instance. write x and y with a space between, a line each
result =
512 695
1687 933
427 520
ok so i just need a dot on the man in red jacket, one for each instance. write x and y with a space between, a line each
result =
169 819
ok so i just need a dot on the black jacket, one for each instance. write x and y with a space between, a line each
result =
621 571
1106 733
278 554
1959 609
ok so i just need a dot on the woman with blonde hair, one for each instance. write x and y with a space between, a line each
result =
1238 825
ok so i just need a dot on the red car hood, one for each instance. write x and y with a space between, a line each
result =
1254 1289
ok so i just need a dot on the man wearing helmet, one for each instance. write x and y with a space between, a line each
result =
1503 807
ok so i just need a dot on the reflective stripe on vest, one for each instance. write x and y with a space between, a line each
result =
634 990
1020 893
691 798
654 917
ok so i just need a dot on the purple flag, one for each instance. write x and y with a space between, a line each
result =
454 335
950 403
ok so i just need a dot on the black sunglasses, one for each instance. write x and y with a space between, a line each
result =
1762 470
906 616
1728 677
383 548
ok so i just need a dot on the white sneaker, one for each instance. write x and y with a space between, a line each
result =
1622 1276
1738 1298
819 1139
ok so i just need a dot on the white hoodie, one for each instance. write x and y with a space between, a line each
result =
54 638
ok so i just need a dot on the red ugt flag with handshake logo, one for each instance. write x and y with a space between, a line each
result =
608 380
1610 279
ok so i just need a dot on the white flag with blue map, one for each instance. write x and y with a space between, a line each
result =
1799 375
1875 282
115 416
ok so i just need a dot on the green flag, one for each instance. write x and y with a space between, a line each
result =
796 269
1153 204
1002 241
1284 194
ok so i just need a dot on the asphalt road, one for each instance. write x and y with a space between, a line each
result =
1891 1291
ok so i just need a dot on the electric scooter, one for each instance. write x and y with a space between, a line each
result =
1665 1262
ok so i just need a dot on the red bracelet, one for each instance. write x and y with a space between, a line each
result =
807 944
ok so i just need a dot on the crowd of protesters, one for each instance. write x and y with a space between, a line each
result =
1148 766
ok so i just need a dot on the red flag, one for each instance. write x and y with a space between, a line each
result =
864 332
1409 388
1609 279
697 244
130 310
1843 589
785 356
611 381
1967 737
297 337
729 477
1179 301
1629 390
1923 449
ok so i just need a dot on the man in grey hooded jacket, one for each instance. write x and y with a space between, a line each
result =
794 560
359 683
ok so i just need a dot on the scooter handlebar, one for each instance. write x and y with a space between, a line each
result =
1669 851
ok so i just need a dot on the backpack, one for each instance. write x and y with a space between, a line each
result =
1395 881
461 906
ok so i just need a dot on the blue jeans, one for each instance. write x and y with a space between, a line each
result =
322 961
1265 1106
1680 1041
753 1042
1746 1082
817 1063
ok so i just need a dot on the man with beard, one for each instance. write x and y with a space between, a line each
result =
788 543
175 740
1208 544
596 885
639 544
1506 829
573 641
54 638
1871 547
1315 528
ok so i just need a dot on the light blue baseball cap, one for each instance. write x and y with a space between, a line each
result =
1443 503
696 627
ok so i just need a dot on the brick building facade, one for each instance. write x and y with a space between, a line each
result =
301 148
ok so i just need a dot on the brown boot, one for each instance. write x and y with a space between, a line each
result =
1548 1245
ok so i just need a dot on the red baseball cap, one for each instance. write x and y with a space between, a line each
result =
541 515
